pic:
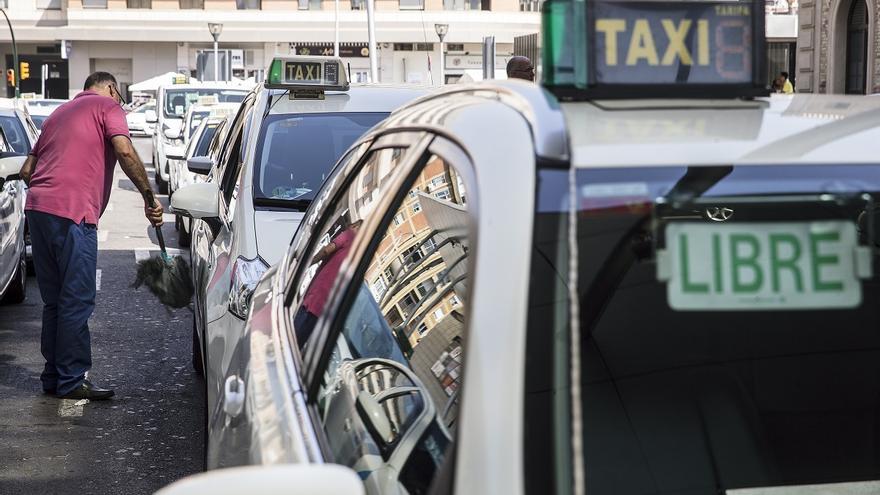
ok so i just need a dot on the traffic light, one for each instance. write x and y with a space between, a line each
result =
10 77
25 70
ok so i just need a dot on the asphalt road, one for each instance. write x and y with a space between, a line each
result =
152 432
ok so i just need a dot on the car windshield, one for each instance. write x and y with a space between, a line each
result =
15 134
205 140
295 153
196 120
729 326
177 101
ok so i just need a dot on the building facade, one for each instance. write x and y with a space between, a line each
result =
138 39
839 46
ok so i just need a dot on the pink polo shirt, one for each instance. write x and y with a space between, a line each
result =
318 293
75 158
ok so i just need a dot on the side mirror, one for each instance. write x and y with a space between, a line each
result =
314 479
201 165
172 133
10 166
196 201
151 117
374 417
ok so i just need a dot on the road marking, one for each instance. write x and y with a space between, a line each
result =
102 235
71 408
98 279
141 254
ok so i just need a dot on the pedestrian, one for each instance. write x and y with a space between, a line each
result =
787 87
69 174
520 67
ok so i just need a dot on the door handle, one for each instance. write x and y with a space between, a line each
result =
233 396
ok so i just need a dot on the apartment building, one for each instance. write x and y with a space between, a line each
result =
138 39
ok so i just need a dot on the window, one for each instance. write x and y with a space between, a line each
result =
192 4
95 4
324 260
769 397
15 134
309 4
45 4
395 367
247 4
379 288
412 4
416 207
438 314
358 4
454 301
438 181
444 194
399 219
530 5
139 4
462 5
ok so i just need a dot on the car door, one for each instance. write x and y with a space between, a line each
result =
383 365
211 243
12 197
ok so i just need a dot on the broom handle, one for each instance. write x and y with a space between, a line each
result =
161 239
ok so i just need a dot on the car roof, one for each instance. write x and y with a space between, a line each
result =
358 99
12 104
802 128
210 85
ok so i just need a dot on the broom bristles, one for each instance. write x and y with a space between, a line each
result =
169 281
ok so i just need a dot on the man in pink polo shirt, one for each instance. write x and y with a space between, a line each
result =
69 175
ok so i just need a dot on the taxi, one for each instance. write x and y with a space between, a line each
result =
205 106
13 227
646 276
278 150
172 101
203 143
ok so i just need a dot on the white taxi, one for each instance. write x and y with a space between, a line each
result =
172 101
278 150
645 277
205 106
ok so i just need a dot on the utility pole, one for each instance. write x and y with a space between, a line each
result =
336 32
14 54
371 45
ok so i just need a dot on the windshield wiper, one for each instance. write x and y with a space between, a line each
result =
287 204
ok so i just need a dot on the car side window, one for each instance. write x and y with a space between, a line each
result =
229 149
389 391
335 237
231 181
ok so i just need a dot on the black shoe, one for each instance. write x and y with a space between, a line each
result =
88 390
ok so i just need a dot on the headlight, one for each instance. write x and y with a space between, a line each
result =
245 275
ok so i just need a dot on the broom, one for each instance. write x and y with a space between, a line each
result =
167 277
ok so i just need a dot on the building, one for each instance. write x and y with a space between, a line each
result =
138 39
839 46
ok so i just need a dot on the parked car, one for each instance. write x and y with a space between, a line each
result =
137 120
278 150
41 109
13 253
172 102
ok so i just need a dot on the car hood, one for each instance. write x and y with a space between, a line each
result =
274 231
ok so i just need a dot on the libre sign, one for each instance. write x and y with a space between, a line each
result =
757 266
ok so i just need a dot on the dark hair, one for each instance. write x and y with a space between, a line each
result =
784 74
96 78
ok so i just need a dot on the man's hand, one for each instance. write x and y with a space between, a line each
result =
154 214
27 170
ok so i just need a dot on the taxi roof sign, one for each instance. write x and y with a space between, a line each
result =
307 73
654 49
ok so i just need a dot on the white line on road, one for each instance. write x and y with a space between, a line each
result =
141 254
98 279
71 408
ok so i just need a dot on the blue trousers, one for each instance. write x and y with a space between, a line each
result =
65 259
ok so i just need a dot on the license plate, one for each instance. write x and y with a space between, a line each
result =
763 266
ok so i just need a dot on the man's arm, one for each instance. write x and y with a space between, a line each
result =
27 170
133 167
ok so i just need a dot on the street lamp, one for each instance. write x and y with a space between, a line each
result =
441 30
16 69
216 28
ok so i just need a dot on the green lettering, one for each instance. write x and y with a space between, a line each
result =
818 260
716 258
738 262
777 263
686 284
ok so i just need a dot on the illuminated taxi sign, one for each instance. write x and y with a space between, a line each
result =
645 48
304 73
179 79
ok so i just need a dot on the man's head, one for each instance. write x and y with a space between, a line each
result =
521 68
104 84
784 74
